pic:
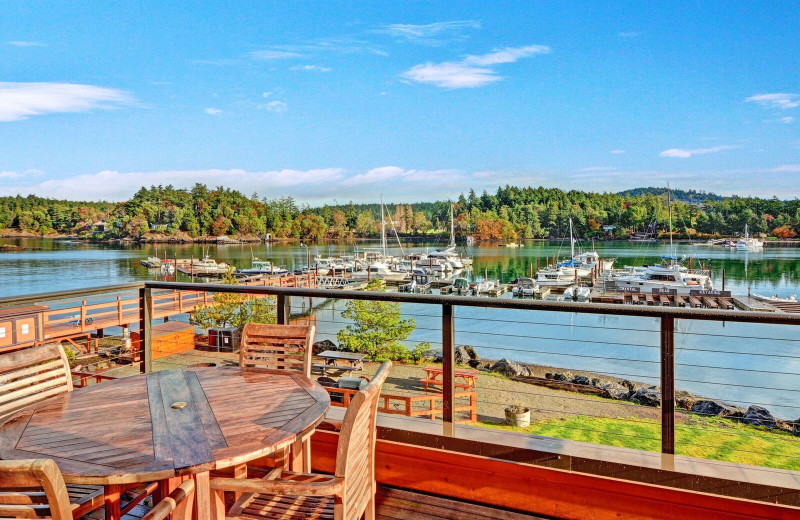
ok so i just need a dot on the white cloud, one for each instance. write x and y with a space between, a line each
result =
113 185
597 169
10 175
473 71
776 100
274 55
26 44
684 153
432 33
629 34
266 94
213 111
787 120
617 152
787 168
311 68
22 100
276 106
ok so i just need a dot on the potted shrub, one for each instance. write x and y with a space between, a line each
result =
518 415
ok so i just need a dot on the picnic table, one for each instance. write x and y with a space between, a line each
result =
164 425
341 361
433 374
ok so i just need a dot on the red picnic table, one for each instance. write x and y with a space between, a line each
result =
433 376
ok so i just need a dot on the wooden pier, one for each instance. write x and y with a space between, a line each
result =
64 320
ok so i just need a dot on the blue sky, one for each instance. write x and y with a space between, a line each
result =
344 101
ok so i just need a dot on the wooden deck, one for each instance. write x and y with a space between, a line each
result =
400 504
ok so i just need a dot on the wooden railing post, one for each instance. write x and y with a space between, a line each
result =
448 369
146 330
668 385
284 309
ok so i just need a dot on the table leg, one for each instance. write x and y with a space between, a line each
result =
239 471
111 502
296 457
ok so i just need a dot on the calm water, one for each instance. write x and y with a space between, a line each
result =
747 364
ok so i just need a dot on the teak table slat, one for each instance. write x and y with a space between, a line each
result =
166 424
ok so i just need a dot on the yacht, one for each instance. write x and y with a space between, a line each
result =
262 267
577 292
381 271
668 275
555 277
748 243
449 253
205 266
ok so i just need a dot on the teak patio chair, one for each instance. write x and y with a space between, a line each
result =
279 347
32 375
346 495
35 488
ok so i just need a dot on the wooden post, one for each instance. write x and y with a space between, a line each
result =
723 278
146 330
284 309
668 385
448 370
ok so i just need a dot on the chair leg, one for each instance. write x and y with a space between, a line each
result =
369 512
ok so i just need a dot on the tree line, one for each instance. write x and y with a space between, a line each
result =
509 213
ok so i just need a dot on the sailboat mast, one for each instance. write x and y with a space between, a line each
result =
452 228
383 229
669 207
571 241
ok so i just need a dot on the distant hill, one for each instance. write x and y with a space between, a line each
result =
687 196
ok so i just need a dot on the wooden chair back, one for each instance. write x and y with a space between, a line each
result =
31 375
355 454
277 347
33 489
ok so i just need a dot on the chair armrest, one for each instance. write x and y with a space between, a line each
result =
330 487
179 501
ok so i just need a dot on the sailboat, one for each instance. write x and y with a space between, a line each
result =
668 275
380 267
748 243
449 254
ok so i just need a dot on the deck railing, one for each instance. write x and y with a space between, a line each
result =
651 335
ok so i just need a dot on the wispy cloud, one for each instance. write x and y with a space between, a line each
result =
629 34
787 168
597 169
684 153
776 100
213 111
267 55
311 68
276 106
23 100
787 120
617 152
432 33
473 70
17 43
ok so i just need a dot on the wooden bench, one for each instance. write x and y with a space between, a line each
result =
351 361
433 374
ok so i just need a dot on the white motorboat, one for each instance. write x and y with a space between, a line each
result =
748 243
262 267
775 298
205 266
577 292
668 275
485 286
380 271
555 277
526 287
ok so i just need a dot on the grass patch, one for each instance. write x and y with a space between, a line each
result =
701 437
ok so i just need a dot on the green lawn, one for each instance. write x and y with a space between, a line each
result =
701 437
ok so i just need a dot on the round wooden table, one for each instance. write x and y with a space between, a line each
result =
166 424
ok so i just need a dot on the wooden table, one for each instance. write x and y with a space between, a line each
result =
164 425
352 361
433 376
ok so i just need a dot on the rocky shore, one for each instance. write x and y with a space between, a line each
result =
636 392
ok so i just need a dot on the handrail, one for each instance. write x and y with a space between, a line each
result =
469 301
72 293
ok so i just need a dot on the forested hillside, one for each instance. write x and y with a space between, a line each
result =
510 212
